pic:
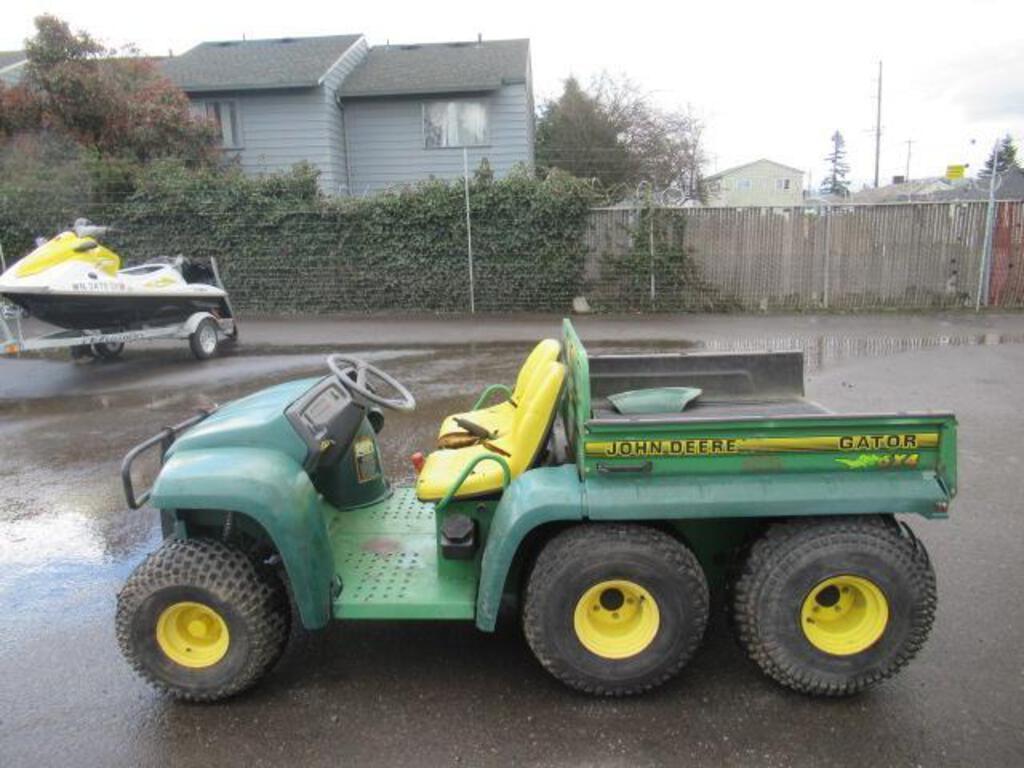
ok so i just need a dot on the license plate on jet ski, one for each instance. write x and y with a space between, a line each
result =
105 287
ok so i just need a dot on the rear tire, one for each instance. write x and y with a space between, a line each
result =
834 606
615 609
201 621
205 339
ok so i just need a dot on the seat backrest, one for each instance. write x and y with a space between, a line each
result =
534 416
545 352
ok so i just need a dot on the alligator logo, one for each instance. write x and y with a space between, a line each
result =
880 461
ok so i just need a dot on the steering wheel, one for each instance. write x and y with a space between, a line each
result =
354 373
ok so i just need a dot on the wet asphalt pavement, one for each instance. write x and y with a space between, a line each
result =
444 694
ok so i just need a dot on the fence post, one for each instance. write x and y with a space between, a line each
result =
469 230
828 256
990 224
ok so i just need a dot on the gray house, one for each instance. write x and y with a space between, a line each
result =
367 118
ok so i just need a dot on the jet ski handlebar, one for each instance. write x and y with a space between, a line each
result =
85 228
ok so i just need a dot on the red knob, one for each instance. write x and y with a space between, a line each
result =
417 461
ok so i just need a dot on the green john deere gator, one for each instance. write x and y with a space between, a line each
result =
601 495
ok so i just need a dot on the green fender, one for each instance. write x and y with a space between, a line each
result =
545 495
273 490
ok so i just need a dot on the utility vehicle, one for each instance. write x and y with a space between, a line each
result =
603 496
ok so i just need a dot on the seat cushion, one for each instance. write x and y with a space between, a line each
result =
498 418
530 425
442 469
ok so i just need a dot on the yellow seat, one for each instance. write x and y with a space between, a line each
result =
498 418
530 424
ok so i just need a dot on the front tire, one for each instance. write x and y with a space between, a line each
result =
615 609
200 620
834 606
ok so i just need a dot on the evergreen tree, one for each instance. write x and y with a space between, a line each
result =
1006 158
835 182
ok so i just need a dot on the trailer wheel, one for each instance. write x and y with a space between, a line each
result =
109 350
200 620
204 339
834 606
615 609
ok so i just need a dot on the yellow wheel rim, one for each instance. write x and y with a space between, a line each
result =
844 615
616 619
192 635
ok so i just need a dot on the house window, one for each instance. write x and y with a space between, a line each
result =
224 115
744 184
455 124
782 185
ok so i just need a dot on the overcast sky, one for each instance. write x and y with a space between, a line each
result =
770 79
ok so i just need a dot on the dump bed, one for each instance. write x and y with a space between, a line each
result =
750 444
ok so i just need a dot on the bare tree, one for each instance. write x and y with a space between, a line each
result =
614 132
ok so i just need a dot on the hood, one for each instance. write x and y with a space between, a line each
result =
255 421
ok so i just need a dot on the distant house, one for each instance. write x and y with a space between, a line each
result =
760 183
367 118
12 65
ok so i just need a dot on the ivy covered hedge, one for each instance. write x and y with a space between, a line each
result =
282 247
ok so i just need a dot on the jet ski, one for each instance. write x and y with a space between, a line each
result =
74 282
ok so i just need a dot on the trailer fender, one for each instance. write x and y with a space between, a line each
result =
537 497
273 490
190 325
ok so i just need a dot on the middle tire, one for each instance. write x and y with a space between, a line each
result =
615 609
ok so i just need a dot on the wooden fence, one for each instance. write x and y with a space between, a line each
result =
905 256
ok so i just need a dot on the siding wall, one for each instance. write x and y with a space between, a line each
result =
282 128
762 175
385 140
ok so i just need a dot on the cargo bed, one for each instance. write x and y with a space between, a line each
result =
750 443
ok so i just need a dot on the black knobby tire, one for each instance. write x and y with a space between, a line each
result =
249 597
204 340
587 555
787 563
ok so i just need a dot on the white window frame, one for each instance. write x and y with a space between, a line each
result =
485 139
783 185
203 107
744 185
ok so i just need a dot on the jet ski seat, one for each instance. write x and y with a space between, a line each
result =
498 419
520 445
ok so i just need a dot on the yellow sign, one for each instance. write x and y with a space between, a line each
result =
730 446
955 171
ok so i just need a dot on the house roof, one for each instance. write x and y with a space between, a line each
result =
735 168
1009 186
237 65
11 63
393 70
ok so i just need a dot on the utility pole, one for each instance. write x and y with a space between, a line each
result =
908 142
878 124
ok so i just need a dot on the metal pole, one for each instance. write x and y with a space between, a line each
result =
650 214
878 124
469 230
990 222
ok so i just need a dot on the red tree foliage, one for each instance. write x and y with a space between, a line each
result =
120 106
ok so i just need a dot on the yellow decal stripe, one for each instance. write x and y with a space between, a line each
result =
729 446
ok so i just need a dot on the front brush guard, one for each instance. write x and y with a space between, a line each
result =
164 438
